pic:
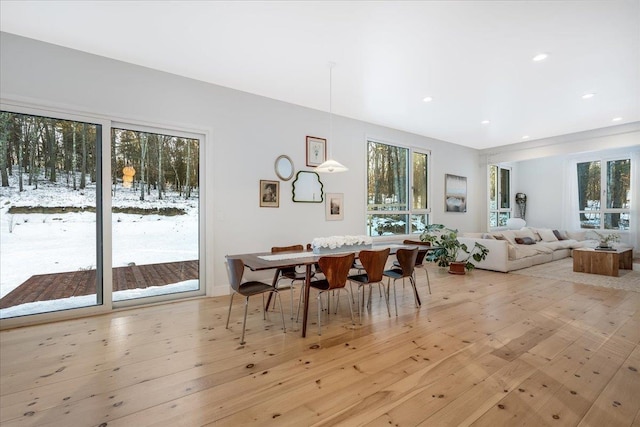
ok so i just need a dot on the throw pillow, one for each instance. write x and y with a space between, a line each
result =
536 235
547 235
525 232
558 235
488 236
525 241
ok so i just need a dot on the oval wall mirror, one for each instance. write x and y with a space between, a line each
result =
284 167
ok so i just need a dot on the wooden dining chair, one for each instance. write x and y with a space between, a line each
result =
419 259
407 260
336 270
235 269
373 263
290 273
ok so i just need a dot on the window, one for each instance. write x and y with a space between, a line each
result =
155 214
499 196
60 249
604 194
391 172
50 251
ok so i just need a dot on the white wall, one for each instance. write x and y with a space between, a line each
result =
244 135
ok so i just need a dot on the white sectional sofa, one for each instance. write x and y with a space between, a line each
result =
515 249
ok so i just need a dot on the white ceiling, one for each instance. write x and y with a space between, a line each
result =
473 57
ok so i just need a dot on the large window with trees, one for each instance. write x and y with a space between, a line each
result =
499 195
50 239
155 190
397 189
59 246
604 194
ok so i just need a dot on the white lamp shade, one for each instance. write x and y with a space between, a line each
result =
515 223
331 166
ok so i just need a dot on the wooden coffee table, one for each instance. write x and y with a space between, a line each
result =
589 260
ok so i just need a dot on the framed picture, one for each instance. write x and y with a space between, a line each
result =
269 194
335 206
316 151
455 193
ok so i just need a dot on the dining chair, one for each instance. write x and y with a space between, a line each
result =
235 269
419 259
290 273
373 263
336 270
407 260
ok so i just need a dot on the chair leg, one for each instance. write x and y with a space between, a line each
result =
244 322
350 304
395 298
229 313
428 281
386 300
292 300
415 292
319 313
284 327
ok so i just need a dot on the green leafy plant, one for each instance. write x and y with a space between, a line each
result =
605 239
449 249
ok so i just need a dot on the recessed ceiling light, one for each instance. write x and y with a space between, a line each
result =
616 119
540 57
525 137
485 122
427 99
588 95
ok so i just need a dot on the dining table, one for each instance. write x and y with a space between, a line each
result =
261 261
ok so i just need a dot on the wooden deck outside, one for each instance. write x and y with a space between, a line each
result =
44 287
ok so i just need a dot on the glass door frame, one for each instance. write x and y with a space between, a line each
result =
103 216
168 130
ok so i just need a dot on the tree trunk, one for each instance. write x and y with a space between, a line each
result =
53 152
74 157
5 121
143 152
188 177
83 171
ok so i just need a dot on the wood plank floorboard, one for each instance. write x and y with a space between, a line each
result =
485 349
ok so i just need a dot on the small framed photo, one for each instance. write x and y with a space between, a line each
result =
316 151
269 194
455 193
335 206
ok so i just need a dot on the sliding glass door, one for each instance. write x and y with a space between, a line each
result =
49 219
155 213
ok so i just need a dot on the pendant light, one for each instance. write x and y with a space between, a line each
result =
330 165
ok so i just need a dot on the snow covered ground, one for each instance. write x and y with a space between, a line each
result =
38 243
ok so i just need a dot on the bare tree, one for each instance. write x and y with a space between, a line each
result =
5 122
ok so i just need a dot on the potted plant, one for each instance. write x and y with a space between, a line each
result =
449 251
605 240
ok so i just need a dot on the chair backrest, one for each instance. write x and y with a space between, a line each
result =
235 270
277 249
374 263
336 269
407 260
421 252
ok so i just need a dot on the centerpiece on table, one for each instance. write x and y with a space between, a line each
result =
337 244
605 240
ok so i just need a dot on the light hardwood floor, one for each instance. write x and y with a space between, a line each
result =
486 349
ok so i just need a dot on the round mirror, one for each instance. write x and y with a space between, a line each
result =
284 167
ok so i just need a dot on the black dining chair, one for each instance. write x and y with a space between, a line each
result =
373 263
235 269
407 260
336 270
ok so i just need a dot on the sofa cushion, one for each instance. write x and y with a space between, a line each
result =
525 232
525 241
535 233
547 235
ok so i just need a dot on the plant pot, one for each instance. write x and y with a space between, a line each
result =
457 268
